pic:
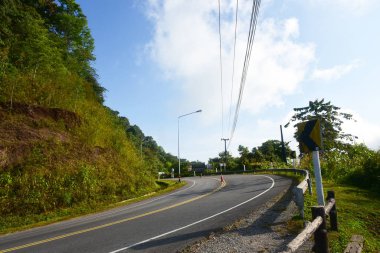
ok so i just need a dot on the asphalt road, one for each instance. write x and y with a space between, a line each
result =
163 224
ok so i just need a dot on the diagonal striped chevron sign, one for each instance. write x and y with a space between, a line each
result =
309 135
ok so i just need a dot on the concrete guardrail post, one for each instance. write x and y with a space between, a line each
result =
309 185
320 235
333 213
356 244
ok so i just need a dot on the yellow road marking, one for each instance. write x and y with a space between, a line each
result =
111 223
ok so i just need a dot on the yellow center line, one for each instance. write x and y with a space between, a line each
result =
111 223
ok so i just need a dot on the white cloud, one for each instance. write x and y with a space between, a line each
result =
262 129
367 132
291 28
335 72
265 129
279 64
186 47
353 6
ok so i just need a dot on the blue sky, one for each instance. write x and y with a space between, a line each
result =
159 59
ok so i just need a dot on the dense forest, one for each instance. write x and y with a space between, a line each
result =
59 145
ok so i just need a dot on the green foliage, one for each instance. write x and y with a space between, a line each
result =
356 165
14 222
45 54
79 152
341 160
367 171
331 123
267 155
257 155
358 211
232 162
272 150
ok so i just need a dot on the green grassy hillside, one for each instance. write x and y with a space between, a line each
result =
50 160
60 147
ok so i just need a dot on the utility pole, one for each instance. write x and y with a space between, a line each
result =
225 152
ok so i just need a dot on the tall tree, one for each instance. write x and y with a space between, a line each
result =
46 51
245 155
331 118
65 20
257 156
31 62
271 150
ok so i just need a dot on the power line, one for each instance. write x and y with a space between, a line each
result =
251 35
233 64
221 70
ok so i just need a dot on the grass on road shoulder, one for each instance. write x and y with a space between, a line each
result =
16 223
358 213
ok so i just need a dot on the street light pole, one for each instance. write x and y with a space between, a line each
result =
179 158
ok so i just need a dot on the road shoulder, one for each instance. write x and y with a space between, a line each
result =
264 230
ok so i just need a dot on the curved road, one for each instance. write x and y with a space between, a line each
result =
163 224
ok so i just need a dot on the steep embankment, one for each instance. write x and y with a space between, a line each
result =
46 165
81 154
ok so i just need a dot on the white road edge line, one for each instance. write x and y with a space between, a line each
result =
162 196
199 221
121 210
91 217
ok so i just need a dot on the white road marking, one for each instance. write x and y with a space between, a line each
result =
122 209
199 221
109 224
162 196
91 217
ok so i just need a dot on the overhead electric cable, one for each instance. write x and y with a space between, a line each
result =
251 35
221 71
233 63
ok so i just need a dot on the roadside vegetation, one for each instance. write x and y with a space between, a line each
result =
358 211
61 149
64 153
15 222
354 176
352 170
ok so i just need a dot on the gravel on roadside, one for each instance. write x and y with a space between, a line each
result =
264 230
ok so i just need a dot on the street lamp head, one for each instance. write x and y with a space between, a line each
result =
188 114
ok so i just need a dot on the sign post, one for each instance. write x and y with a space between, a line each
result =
318 178
311 141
